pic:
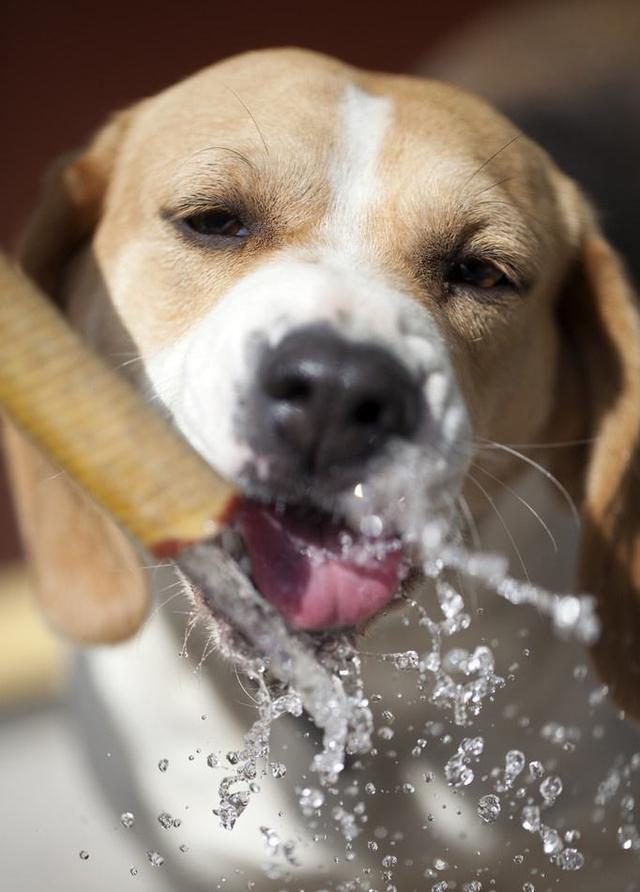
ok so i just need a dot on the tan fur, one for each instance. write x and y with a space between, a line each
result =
531 367
608 325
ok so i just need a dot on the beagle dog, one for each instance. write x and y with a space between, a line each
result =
329 280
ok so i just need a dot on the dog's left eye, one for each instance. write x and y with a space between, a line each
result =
477 273
218 222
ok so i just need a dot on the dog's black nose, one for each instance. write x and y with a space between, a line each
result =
328 402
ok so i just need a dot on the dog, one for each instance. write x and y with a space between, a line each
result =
382 284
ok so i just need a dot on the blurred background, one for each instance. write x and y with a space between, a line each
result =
567 71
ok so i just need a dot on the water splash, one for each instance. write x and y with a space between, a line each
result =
295 672
457 770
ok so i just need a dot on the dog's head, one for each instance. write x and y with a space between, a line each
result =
340 285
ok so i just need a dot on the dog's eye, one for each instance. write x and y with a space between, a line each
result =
477 273
217 223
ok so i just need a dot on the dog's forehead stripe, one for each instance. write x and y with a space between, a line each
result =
363 122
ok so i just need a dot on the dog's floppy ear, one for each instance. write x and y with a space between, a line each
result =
601 322
88 576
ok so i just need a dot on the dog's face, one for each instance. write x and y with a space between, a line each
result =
331 292
339 284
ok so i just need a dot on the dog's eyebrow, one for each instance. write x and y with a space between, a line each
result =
210 174
196 157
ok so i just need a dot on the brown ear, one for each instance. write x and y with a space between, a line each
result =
602 325
88 577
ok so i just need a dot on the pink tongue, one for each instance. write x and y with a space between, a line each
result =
298 566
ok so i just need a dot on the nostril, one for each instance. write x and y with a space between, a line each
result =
368 412
291 389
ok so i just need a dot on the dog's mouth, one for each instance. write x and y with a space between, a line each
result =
315 570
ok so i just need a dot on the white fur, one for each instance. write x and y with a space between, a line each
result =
363 121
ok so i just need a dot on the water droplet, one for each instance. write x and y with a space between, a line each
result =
407 660
457 770
518 859
212 761
389 861
370 789
127 819
537 769
271 838
372 525
442 886
627 803
155 858
473 886
531 818
84 855
451 601
608 788
408 788
133 871
440 864
278 769
551 788
570 859
628 838
165 820
310 800
551 842
372 845
513 765
163 764
528 887
489 808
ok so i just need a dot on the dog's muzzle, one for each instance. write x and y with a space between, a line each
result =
322 409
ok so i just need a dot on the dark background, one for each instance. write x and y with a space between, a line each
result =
67 64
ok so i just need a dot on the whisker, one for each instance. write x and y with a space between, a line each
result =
128 362
503 524
253 699
156 610
492 157
192 622
471 522
522 501
476 541
248 111
207 650
557 445
493 186
492 444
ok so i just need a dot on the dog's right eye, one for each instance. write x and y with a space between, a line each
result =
215 223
